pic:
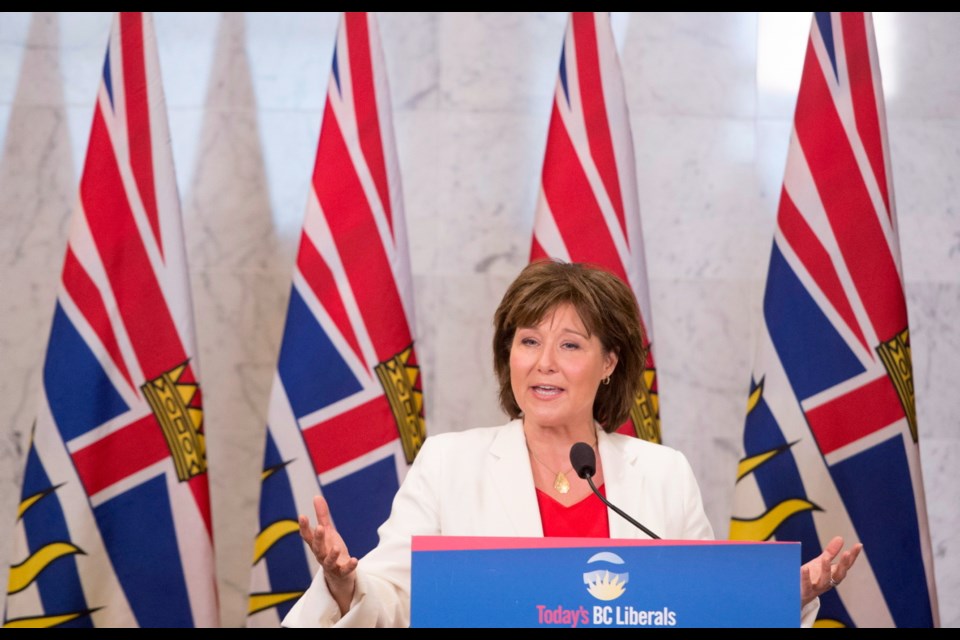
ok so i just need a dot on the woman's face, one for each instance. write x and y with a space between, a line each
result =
555 369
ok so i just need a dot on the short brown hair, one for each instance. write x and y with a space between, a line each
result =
608 309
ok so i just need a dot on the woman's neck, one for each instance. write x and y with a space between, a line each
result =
560 435
549 453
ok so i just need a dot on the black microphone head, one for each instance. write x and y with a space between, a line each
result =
583 459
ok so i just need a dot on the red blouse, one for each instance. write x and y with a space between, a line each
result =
586 519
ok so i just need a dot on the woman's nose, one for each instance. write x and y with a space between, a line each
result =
546 362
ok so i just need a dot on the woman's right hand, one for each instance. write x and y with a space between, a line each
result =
339 568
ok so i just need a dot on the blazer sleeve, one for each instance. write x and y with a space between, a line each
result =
382 597
695 524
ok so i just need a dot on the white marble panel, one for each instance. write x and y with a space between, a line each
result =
429 318
465 391
37 187
239 326
226 205
704 353
920 80
186 125
933 309
941 483
418 153
83 44
37 78
14 27
411 49
704 344
79 120
698 196
714 461
927 197
490 164
289 56
698 64
5 110
185 44
781 49
13 36
241 249
773 141
226 209
500 61
930 247
36 196
288 144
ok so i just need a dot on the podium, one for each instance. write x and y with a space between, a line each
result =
592 582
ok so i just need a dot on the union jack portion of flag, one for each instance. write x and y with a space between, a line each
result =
830 440
114 522
588 209
346 410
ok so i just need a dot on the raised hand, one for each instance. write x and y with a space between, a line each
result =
339 568
820 574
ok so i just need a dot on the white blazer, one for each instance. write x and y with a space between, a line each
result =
479 483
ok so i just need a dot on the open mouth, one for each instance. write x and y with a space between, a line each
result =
546 390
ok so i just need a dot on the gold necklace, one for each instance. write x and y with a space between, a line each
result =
560 481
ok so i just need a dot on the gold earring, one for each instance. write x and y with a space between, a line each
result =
606 380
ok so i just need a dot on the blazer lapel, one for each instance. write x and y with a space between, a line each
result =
623 486
512 481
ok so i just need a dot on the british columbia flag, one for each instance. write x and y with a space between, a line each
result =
830 440
588 209
346 410
114 525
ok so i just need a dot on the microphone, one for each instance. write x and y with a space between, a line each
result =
585 463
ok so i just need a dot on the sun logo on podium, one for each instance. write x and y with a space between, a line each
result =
603 581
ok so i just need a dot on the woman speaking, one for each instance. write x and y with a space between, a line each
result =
568 354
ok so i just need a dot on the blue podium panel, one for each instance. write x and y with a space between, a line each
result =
592 582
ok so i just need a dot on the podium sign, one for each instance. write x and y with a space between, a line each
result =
592 582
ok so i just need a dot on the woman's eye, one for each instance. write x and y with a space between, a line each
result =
528 342
571 345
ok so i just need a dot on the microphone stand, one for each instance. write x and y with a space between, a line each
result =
589 478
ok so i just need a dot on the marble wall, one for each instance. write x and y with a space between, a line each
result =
711 100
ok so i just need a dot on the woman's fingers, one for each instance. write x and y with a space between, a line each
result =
846 561
330 559
833 548
820 574
323 511
350 566
305 533
327 545
821 579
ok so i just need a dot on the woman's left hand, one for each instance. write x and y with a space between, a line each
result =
820 574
